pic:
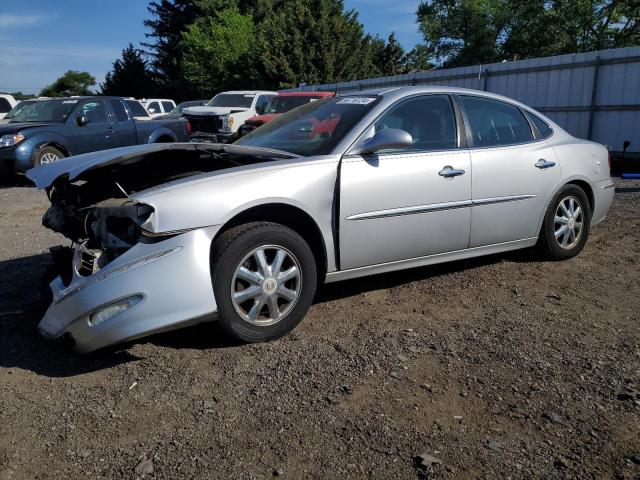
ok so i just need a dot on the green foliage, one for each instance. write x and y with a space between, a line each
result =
202 46
130 76
71 82
169 18
215 49
391 58
466 32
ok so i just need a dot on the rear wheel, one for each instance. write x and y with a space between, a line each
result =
566 224
264 279
46 154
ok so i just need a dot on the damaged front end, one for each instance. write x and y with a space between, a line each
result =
101 228
122 279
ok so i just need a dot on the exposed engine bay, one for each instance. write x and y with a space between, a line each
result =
96 212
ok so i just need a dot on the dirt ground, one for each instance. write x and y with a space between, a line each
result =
502 367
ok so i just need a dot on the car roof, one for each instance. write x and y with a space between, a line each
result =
248 92
306 94
399 92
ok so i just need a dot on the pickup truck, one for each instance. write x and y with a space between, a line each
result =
44 131
7 102
218 121
280 104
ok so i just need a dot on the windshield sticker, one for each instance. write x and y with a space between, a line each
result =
356 101
70 101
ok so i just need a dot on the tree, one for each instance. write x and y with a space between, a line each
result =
70 83
130 76
463 32
314 41
215 48
418 59
391 58
467 32
170 18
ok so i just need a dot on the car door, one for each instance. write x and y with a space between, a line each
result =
513 173
97 133
124 129
408 203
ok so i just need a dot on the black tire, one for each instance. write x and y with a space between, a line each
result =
40 152
548 245
228 252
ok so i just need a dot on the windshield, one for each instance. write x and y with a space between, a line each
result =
312 129
240 100
285 103
51 111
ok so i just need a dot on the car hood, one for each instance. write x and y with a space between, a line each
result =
204 111
71 168
8 128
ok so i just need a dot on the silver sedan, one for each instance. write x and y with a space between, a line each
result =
168 235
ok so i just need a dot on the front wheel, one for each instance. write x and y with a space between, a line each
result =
46 154
264 278
566 224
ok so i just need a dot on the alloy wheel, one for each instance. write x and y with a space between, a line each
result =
48 157
266 285
568 222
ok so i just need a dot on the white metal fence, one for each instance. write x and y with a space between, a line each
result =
593 95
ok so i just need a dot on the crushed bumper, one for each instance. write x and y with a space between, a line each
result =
169 280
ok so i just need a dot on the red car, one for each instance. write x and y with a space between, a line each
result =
280 104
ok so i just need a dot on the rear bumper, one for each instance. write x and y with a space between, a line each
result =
603 193
170 280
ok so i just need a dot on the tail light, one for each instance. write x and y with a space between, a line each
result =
189 127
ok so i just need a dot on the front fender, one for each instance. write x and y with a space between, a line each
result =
24 151
214 200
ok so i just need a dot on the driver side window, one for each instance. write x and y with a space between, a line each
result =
95 112
429 119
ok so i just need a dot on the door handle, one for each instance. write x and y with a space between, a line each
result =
450 172
542 164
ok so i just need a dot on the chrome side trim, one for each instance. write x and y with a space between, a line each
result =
494 200
394 212
340 275
436 207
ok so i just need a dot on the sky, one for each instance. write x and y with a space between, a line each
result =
41 39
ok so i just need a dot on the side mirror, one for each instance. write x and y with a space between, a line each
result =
82 120
389 138
260 109
626 144
151 110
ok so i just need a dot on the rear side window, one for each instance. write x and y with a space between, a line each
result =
168 106
137 110
495 123
542 126
429 119
5 106
118 110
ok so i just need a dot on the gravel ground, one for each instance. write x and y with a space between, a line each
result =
503 367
